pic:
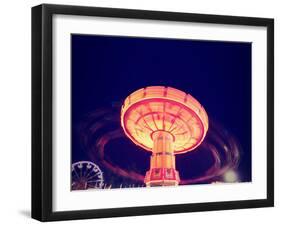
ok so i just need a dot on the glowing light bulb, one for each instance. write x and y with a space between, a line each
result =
230 176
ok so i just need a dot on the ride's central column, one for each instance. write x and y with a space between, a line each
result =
162 163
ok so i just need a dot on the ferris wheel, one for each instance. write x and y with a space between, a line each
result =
85 175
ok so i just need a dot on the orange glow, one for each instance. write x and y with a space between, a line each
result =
157 108
162 163
165 121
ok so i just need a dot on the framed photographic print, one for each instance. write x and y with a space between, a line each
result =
145 112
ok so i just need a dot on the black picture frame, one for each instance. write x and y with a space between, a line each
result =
42 107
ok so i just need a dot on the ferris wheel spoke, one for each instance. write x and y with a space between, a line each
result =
74 176
89 173
93 176
81 171
85 172
75 173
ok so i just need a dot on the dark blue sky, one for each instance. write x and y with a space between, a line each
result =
106 69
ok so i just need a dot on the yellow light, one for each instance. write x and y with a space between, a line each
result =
230 176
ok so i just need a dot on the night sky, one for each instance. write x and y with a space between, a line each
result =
106 69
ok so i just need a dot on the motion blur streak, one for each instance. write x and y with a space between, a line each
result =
102 126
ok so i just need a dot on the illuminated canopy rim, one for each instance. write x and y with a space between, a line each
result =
157 108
